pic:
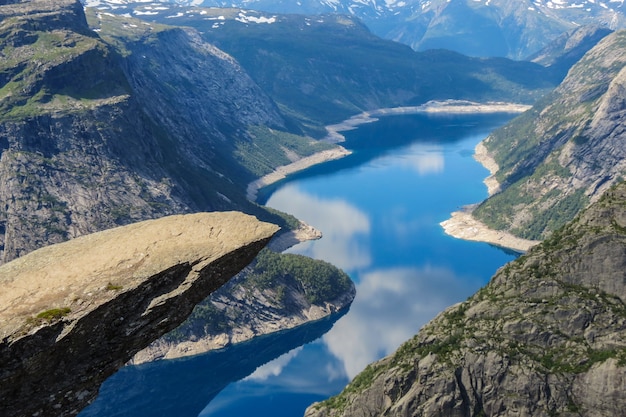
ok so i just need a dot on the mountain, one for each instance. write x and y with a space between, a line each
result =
97 134
546 337
515 29
565 151
321 70
570 47
119 120
277 291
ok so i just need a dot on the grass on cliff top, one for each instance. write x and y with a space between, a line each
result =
119 30
56 71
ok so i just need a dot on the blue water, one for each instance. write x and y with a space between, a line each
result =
379 210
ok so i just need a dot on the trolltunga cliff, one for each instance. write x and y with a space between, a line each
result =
71 314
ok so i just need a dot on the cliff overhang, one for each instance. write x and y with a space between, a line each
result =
72 314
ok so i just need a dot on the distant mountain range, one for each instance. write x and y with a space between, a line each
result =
511 28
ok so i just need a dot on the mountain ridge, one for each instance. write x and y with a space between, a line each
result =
477 28
549 157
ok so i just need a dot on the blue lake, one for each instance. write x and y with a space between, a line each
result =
379 210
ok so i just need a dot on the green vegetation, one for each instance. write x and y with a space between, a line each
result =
48 316
303 66
320 280
270 148
120 30
114 287
276 275
362 381
54 313
548 211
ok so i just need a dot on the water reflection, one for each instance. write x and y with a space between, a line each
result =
379 211
346 229
422 158
183 387
395 303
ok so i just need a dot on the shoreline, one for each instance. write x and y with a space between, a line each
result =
461 225
443 107
282 171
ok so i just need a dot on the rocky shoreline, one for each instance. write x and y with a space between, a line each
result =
431 107
461 225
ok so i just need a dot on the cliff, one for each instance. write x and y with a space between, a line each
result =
73 313
127 122
562 154
546 337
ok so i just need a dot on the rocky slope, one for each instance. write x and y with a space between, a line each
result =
319 69
99 129
565 151
546 337
569 48
73 313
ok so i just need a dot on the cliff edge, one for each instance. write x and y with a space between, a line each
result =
71 314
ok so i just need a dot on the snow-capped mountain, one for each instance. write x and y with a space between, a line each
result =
512 28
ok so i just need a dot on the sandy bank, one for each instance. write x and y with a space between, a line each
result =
482 155
431 107
463 225
282 171
306 232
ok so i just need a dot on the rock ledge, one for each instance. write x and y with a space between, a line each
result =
73 313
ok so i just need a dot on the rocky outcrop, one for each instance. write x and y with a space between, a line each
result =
564 152
570 47
546 337
73 313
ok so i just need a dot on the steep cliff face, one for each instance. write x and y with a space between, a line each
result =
100 129
320 70
546 337
73 313
564 152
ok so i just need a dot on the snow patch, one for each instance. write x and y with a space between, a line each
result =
243 18
146 13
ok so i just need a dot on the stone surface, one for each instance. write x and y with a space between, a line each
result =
104 297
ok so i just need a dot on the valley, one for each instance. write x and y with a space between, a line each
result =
126 112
